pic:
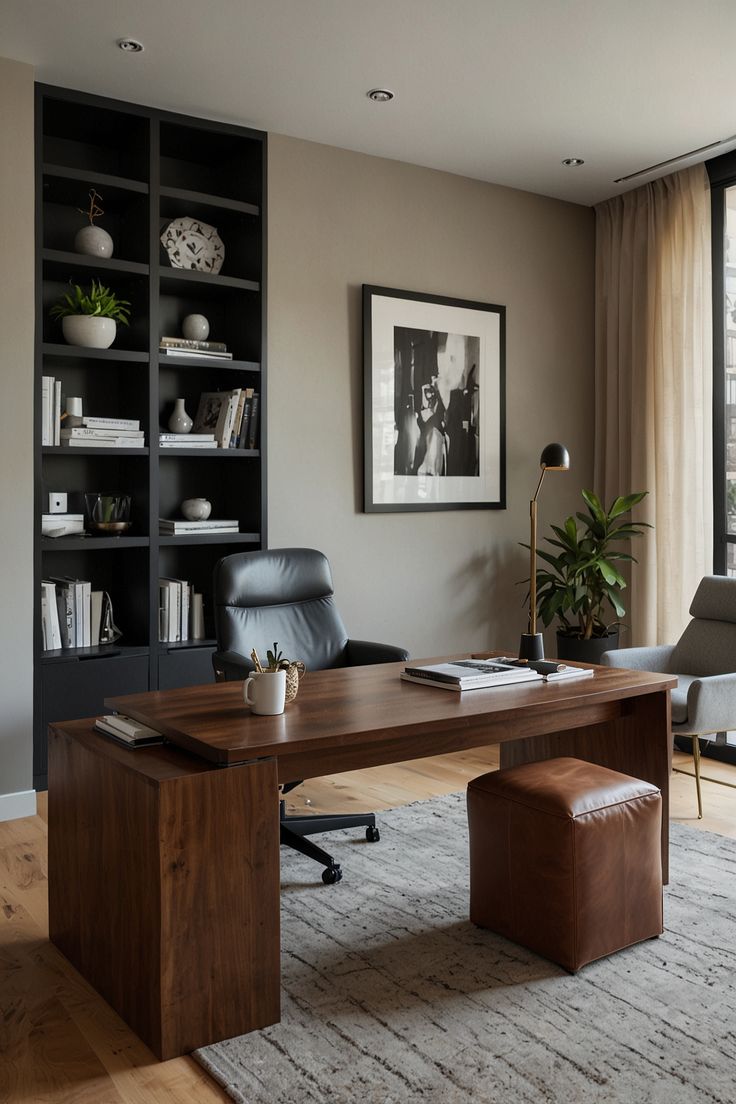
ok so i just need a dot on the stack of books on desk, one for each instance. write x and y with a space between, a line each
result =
479 674
127 731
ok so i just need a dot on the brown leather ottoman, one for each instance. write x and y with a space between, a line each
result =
565 858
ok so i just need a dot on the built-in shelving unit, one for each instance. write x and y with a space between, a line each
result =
150 167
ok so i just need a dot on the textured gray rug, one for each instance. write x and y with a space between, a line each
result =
391 996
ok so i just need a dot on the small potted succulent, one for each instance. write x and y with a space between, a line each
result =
89 316
275 662
93 240
580 586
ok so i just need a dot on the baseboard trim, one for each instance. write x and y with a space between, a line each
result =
14 805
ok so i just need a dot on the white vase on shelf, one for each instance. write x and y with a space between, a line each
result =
195 327
93 241
196 509
180 422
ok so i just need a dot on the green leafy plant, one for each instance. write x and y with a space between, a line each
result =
581 585
274 659
96 301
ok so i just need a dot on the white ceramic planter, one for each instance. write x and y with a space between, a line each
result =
93 241
88 331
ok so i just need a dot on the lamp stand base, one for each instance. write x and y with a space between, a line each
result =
531 646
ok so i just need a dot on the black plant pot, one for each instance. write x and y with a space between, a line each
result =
578 650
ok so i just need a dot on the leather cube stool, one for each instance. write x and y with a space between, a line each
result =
565 858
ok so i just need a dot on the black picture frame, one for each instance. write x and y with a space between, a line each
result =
434 386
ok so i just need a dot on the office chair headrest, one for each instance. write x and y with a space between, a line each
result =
715 599
273 577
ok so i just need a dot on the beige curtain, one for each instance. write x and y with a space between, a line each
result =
653 389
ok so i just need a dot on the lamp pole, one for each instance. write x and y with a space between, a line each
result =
554 457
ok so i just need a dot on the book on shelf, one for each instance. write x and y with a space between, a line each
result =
470 674
132 424
245 421
50 624
551 670
195 444
86 432
181 612
185 438
186 343
238 419
50 410
199 354
74 604
99 441
215 414
253 427
127 731
167 526
62 525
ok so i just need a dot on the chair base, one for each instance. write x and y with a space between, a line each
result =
293 829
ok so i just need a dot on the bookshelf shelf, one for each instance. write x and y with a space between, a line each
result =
150 166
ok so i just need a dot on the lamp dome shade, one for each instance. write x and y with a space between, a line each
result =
555 457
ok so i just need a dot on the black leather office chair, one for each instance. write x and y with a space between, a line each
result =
286 595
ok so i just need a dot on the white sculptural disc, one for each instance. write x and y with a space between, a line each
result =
191 243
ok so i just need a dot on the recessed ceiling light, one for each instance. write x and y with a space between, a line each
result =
130 46
380 95
573 161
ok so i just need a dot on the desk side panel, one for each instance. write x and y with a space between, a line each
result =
104 878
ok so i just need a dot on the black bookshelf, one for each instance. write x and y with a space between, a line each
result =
150 167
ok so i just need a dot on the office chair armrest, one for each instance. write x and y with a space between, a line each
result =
231 666
711 704
640 659
360 652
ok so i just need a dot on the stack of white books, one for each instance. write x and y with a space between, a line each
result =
169 528
62 525
181 611
104 433
186 440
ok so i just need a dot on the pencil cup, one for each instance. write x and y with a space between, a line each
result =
265 693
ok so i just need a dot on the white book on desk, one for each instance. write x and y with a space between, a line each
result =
469 674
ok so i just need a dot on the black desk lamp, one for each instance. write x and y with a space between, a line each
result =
554 458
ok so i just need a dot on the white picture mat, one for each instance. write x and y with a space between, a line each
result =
386 314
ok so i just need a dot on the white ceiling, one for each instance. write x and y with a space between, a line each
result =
499 90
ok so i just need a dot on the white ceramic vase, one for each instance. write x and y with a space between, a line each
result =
195 327
196 509
93 241
180 422
88 331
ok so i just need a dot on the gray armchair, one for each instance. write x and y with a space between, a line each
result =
704 660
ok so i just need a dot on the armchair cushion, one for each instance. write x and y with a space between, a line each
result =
641 659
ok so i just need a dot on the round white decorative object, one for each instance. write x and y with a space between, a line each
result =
196 509
195 327
88 331
180 422
191 243
93 241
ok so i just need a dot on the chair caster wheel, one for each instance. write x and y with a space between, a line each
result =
332 874
372 834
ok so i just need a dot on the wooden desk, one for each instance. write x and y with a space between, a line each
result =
164 867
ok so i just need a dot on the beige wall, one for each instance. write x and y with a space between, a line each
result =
435 582
16 436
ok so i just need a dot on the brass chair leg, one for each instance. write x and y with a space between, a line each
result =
696 764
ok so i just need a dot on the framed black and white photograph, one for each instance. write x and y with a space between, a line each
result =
434 379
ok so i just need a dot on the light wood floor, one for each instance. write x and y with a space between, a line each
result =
61 1044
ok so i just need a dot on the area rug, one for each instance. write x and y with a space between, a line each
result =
391 996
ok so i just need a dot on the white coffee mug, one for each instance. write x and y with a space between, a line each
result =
266 693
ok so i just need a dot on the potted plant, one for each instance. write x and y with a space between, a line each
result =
580 585
89 316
